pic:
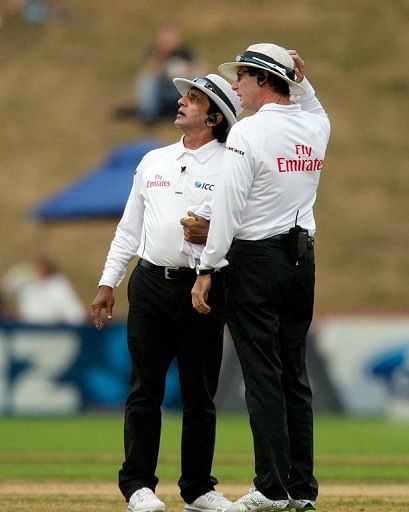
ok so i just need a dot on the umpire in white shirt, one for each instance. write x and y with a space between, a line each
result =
263 223
162 324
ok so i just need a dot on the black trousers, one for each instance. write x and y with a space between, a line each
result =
269 306
162 325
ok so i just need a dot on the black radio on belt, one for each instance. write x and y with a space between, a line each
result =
297 243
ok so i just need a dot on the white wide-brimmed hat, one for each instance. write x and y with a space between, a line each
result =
216 88
266 56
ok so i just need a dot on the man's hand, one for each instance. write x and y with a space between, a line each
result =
200 293
195 228
104 300
298 65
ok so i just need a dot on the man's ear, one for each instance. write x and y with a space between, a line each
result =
214 119
261 78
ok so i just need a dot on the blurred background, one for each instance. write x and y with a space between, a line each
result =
77 117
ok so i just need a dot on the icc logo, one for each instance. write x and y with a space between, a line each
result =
205 186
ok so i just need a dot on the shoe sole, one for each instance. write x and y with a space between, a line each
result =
197 509
150 509
265 509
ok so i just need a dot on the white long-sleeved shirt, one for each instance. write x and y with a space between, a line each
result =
167 182
271 171
48 301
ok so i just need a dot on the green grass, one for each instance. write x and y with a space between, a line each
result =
90 447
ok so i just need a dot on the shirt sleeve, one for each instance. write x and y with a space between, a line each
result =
233 188
308 101
127 237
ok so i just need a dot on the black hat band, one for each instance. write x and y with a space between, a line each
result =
211 86
268 62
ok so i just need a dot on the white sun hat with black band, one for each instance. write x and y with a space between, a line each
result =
216 88
268 57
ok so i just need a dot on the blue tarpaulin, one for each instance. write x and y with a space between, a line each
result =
102 191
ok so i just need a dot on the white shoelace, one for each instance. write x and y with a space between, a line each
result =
213 499
142 495
218 497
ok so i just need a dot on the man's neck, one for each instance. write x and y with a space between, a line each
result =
196 140
274 97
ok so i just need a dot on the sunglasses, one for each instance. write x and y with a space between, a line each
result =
267 63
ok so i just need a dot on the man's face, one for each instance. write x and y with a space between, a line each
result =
192 112
247 89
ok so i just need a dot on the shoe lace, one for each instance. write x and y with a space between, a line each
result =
251 499
141 494
254 498
217 496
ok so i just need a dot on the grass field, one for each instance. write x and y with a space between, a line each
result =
70 464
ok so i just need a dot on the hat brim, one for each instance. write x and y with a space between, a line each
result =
229 71
183 85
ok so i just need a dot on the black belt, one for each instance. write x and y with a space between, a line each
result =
284 236
168 272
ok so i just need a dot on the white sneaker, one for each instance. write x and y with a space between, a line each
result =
212 501
145 500
302 506
255 501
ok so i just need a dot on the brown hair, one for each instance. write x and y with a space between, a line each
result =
274 82
220 130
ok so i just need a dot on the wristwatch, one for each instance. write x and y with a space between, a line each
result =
204 271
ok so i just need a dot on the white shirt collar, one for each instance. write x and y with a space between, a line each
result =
201 154
294 107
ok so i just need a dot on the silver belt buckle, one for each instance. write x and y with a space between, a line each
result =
167 276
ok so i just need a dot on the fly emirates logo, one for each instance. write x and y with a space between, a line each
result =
301 162
158 182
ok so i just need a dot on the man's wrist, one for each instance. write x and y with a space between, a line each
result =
204 271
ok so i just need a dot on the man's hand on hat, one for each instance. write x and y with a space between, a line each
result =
298 65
